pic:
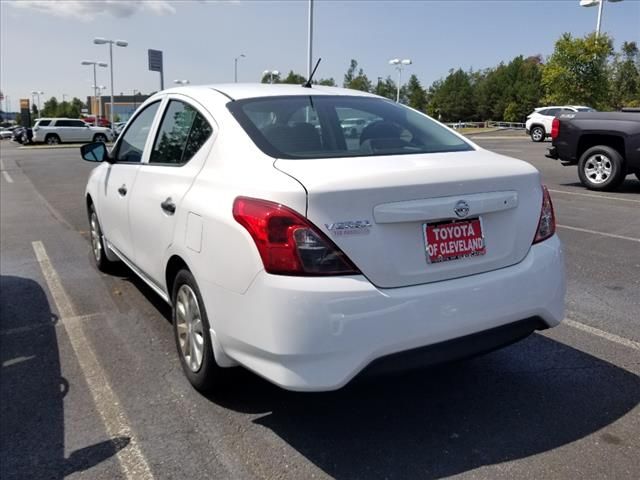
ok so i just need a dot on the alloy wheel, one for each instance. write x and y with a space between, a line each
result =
598 168
190 328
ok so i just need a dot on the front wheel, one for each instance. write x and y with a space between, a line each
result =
601 168
192 335
537 134
100 138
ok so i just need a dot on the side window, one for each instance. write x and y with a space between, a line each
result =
78 123
133 140
181 134
543 111
552 112
63 123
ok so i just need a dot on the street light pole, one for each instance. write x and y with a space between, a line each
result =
119 43
399 65
310 41
600 3
235 67
37 94
600 9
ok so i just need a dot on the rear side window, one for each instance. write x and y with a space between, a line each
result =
181 134
43 123
552 112
319 126
64 123
78 123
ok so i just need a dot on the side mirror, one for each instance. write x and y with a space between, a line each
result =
94 152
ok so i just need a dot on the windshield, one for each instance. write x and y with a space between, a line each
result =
321 126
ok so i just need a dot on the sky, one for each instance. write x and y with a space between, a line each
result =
42 43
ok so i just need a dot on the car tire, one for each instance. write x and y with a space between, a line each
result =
52 139
192 333
98 247
100 137
538 134
601 168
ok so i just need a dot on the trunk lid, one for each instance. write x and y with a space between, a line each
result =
375 209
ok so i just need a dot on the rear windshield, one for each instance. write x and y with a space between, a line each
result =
321 126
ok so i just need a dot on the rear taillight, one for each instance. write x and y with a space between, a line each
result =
555 128
287 242
547 222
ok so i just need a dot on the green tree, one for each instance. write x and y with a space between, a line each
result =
50 108
625 77
327 82
294 78
453 99
357 81
577 71
416 95
266 78
386 88
75 109
19 119
34 111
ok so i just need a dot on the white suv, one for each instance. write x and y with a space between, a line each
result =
538 123
286 249
58 130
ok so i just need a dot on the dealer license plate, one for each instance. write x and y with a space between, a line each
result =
454 240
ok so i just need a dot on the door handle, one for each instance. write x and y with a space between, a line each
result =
168 206
122 190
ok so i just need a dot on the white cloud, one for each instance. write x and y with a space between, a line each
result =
87 10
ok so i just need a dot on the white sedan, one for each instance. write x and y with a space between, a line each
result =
304 256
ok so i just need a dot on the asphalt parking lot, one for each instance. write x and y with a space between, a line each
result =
91 386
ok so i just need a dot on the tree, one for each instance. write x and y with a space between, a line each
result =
294 78
453 99
577 71
269 78
386 88
34 111
416 96
625 77
327 82
50 108
356 82
75 109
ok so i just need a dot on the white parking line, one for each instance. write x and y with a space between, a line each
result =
601 333
594 196
7 177
134 464
604 234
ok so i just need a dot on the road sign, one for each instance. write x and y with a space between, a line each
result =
155 60
155 64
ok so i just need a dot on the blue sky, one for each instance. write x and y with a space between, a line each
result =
43 42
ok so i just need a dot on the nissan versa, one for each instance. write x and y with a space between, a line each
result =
305 254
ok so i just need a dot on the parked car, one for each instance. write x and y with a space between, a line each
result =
604 145
306 258
22 135
5 133
118 127
102 121
58 130
538 123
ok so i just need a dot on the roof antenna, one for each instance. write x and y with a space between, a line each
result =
307 84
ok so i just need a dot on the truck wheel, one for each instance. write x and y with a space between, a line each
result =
601 168
537 134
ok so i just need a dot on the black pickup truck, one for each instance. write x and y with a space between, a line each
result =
605 145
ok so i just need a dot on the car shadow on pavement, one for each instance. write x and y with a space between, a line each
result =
529 398
32 390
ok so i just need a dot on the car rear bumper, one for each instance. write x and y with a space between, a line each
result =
314 334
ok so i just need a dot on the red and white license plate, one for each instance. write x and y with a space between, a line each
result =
454 240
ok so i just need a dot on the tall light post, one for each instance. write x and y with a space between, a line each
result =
181 82
235 67
118 43
99 88
271 73
310 41
95 81
38 93
399 64
600 3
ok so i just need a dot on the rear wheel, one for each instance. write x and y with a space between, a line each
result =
52 139
537 134
191 330
100 137
97 242
601 168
